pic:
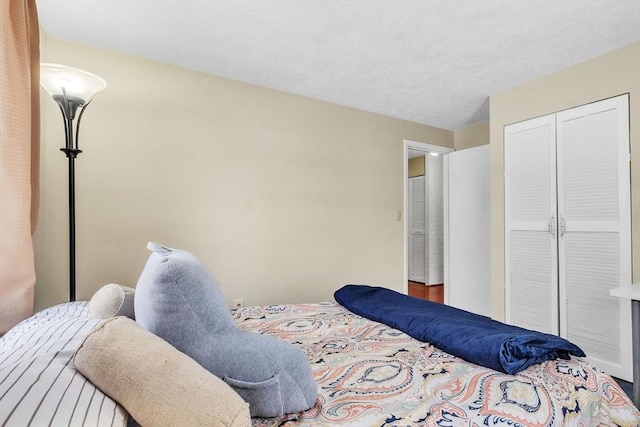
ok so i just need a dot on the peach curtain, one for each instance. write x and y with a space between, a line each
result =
19 157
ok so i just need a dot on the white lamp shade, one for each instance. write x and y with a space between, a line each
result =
73 82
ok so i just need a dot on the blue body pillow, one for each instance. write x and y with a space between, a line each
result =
475 338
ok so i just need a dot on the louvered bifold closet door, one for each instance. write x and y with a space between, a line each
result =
530 219
595 231
417 230
435 219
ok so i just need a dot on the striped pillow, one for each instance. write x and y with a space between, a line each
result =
39 384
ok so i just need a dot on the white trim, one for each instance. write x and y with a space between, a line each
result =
427 148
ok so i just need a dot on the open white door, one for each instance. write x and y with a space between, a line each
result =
468 282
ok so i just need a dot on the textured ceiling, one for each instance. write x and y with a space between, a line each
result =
432 62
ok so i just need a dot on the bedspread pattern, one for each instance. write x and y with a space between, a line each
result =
369 374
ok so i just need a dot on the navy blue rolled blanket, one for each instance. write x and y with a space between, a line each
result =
475 338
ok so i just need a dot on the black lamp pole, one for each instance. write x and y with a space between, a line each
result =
68 106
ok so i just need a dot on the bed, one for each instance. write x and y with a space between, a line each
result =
368 374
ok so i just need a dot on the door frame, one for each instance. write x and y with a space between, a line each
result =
426 148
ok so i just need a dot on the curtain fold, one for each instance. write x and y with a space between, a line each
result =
19 157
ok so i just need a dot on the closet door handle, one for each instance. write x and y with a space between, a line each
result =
551 227
562 226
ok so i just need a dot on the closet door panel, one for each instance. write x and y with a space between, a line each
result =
417 230
530 215
594 245
417 261
435 220
533 300
530 171
588 157
592 316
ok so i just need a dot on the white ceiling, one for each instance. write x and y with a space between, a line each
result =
434 62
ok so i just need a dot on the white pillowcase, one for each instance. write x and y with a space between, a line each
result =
112 300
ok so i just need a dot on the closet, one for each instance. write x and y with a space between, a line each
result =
568 228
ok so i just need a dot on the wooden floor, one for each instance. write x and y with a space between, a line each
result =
433 293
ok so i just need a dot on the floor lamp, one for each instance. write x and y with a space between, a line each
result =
72 89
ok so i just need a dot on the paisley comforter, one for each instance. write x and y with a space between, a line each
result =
370 374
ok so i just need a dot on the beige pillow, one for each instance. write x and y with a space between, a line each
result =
157 384
112 300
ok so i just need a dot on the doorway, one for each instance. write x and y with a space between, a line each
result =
425 197
466 220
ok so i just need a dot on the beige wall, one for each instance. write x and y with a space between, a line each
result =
473 136
285 198
609 75
416 166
